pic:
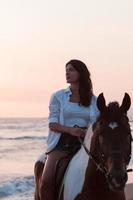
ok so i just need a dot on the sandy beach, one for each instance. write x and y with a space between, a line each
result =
129 191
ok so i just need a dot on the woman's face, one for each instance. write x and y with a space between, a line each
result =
72 76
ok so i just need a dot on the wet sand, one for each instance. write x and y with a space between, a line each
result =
129 191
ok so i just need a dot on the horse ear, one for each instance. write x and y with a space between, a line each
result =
126 103
101 104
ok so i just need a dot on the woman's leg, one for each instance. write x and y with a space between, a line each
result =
38 170
47 190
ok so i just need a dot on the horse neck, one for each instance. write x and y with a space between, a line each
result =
91 144
88 137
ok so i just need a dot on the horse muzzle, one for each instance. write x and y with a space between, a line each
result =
117 180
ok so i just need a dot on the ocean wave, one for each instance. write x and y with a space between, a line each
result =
24 124
17 186
37 128
24 138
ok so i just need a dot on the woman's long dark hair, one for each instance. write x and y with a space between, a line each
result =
85 83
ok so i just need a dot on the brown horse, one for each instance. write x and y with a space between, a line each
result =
98 171
106 173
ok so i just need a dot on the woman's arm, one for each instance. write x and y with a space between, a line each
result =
54 125
75 131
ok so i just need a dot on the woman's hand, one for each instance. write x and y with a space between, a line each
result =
75 131
78 132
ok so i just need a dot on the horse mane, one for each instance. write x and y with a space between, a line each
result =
112 112
113 106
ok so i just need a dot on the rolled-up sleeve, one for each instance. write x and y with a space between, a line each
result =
54 110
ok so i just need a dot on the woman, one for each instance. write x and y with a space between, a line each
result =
72 110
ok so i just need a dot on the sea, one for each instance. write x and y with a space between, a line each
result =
22 141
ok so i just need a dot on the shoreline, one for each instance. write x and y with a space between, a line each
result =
129 191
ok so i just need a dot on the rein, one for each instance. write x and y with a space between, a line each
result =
98 165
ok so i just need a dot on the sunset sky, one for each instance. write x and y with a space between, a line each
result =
38 37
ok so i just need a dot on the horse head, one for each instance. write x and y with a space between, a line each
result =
113 139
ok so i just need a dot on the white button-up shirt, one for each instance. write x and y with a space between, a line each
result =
66 113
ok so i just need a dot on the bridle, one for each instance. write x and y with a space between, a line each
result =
101 166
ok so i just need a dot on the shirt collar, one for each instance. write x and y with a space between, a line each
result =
68 90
